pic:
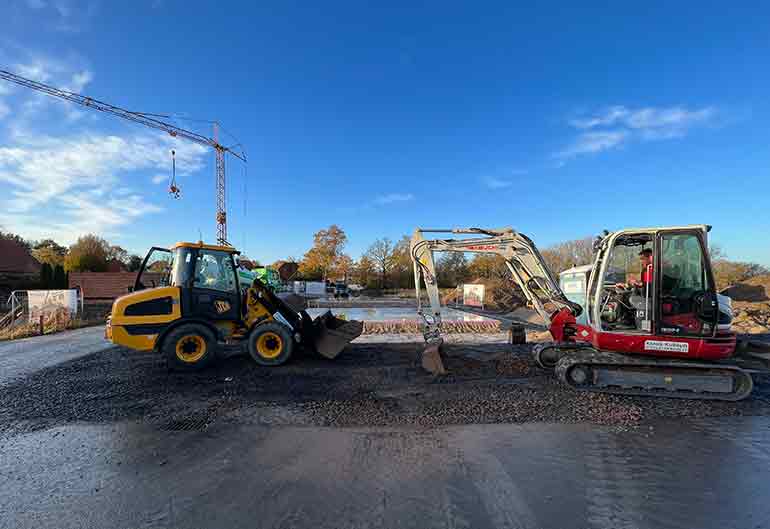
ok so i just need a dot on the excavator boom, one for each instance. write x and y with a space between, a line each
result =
522 258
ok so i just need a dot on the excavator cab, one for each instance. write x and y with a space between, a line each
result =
656 282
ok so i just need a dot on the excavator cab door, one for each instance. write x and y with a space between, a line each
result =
214 293
687 296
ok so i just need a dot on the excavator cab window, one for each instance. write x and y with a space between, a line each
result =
684 284
627 286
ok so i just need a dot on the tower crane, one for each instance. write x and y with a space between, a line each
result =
152 121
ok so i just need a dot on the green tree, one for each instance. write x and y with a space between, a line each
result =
15 238
46 276
49 251
134 263
451 270
60 279
88 254
118 254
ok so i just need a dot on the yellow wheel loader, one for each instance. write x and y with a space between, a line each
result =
188 304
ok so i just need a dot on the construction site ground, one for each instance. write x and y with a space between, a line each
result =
110 437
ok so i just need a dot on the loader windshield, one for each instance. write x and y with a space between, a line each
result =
181 269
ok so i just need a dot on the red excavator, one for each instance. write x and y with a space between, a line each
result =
643 319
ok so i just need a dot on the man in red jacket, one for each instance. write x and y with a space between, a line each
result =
645 256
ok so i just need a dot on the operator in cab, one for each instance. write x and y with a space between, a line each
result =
645 258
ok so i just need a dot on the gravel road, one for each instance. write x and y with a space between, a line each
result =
369 384
99 436
25 356
680 474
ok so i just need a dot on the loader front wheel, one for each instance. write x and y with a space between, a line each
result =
189 347
270 344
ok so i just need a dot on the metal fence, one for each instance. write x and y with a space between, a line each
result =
18 314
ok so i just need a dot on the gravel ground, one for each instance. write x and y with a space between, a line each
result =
370 384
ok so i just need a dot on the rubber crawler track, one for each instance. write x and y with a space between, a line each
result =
592 359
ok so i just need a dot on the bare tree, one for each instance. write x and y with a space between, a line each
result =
564 255
381 253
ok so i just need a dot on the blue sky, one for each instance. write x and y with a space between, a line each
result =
559 121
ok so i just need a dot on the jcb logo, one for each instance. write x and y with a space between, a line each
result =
221 306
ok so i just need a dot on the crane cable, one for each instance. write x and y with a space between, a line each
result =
173 188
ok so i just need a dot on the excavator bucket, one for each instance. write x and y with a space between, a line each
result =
431 358
332 334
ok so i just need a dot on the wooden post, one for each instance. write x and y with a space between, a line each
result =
41 324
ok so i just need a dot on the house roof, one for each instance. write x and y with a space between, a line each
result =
15 258
108 285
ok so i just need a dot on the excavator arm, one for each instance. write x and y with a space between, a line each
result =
522 258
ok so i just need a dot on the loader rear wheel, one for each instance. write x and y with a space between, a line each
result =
270 344
189 347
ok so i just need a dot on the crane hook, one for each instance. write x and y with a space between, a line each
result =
173 188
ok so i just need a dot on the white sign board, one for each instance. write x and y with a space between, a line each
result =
44 302
660 345
473 295
315 288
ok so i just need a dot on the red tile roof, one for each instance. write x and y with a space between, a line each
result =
15 258
106 285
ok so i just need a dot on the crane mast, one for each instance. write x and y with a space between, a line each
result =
151 121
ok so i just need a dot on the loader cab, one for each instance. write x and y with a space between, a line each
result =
654 282
205 274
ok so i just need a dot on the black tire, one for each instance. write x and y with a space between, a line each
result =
271 344
189 347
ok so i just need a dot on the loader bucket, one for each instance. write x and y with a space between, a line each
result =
331 334
431 358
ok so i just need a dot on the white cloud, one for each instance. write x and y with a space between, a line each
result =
497 183
618 124
80 80
64 187
393 197
61 181
37 70
70 75
609 117
593 142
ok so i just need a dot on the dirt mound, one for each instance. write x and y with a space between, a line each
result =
499 294
754 289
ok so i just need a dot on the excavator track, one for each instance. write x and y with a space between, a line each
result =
604 372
